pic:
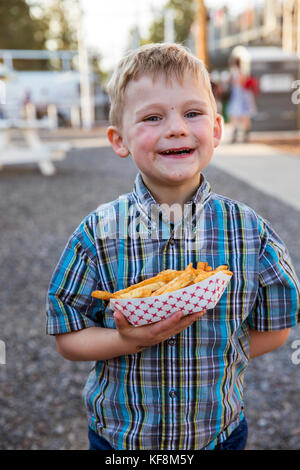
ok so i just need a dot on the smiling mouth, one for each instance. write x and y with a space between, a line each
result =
177 152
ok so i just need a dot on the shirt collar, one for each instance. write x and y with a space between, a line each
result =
144 197
151 211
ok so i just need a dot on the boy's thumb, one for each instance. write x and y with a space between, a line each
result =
120 320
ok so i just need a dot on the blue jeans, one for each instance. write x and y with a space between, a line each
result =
236 441
98 442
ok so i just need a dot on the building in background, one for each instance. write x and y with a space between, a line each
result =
273 23
266 37
276 71
59 88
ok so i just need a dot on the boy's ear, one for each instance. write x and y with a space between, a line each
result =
117 142
218 127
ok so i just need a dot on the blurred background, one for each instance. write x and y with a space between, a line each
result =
56 166
56 56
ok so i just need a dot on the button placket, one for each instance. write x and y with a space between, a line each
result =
171 341
172 394
171 241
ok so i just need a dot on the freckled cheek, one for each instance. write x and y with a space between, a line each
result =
146 138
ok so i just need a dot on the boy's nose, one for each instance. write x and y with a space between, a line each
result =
176 127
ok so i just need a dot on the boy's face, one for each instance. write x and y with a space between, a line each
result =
169 129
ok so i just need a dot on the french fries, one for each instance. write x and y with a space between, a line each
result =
163 276
203 275
147 289
180 281
138 293
164 282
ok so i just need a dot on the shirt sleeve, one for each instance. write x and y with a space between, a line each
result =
277 304
69 305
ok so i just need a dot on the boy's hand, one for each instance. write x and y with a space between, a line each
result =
148 335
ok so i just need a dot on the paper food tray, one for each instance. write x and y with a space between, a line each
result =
194 298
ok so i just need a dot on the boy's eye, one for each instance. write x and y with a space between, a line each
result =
192 114
151 118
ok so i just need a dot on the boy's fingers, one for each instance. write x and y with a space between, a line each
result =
192 316
177 319
172 319
200 314
120 320
188 320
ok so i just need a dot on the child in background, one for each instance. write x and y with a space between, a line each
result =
241 105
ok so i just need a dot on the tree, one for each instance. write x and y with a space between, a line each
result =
184 13
60 17
18 28
41 25
34 24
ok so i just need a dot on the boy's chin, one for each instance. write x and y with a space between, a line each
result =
173 178
182 175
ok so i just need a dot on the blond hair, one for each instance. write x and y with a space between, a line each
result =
171 60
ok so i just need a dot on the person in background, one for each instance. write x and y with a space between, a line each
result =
241 106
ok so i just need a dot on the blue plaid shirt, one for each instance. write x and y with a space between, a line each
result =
186 392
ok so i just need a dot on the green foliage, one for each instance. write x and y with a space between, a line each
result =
60 32
37 24
18 29
184 13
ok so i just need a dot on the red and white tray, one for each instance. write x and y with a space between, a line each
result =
201 296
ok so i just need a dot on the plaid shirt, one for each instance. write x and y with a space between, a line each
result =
186 392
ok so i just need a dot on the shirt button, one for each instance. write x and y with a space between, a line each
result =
172 393
171 241
172 341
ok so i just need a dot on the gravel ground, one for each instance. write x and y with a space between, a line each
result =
40 399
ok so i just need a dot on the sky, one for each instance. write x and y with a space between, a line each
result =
107 23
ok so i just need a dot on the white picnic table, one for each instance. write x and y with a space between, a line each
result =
35 151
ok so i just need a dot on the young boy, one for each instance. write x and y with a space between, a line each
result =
178 383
